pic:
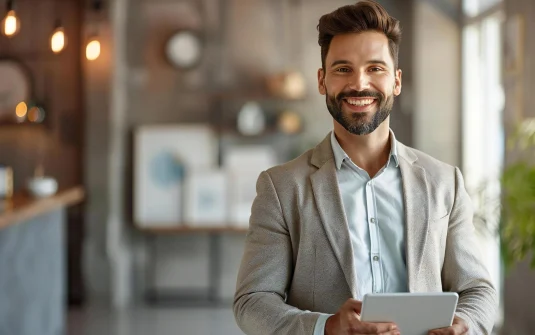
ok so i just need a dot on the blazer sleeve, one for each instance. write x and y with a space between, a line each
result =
463 270
266 271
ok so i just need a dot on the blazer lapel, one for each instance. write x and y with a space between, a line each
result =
331 210
416 199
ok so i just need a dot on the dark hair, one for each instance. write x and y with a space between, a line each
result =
363 16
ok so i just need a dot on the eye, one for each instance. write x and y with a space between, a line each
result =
375 69
343 69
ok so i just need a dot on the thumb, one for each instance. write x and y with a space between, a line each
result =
355 305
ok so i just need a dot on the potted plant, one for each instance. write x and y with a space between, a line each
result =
517 223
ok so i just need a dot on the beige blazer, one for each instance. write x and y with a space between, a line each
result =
298 258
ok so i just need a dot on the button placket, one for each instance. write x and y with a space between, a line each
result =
374 239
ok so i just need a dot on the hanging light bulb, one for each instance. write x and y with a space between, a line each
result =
58 40
11 23
92 50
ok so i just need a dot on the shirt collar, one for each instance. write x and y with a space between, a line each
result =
340 155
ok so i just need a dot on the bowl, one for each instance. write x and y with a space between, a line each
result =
42 187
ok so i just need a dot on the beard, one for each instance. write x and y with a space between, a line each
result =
360 123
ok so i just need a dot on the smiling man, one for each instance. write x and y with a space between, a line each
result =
361 212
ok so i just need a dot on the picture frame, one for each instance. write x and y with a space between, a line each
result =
205 198
163 156
243 165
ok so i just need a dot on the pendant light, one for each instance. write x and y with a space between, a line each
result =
92 49
10 23
58 40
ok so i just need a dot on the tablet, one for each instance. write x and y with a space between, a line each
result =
413 313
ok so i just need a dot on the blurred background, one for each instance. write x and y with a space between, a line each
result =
132 133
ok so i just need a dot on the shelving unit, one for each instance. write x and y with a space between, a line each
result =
188 297
189 228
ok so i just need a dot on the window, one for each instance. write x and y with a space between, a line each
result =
473 8
483 132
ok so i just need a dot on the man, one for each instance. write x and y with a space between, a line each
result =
360 212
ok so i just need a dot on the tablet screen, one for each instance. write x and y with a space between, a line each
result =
414 313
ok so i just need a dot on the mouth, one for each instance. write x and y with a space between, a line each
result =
360 105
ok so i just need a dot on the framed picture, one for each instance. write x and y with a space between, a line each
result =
243 165
205 194
163 156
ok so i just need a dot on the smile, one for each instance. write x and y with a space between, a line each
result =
360 102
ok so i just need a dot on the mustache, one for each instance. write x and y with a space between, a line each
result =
359 94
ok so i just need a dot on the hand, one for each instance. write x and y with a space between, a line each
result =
459 327
347 322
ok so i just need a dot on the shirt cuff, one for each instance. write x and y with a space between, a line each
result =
319 329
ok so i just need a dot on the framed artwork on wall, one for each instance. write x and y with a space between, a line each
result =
243 165
163 156
205 194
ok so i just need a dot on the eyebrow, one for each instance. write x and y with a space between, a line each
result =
346 62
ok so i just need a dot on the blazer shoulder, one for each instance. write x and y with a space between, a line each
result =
436 168
293 170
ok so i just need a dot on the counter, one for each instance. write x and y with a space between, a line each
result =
23 207
33 263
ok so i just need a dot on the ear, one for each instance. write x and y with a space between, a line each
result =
397 87
321 82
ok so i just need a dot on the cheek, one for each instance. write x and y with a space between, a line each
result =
385 85
334 85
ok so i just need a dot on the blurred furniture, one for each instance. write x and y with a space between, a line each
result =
185 296
33 262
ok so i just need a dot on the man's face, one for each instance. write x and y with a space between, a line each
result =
359 81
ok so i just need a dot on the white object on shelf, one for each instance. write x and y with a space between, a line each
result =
251 119
41 187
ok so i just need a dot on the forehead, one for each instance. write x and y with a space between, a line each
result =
359 48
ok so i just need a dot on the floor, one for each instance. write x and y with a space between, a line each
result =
152 321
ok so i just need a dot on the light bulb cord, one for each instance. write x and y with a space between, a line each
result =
10 5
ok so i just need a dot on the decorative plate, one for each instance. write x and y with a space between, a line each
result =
184 49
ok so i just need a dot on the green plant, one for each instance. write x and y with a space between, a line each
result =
517 223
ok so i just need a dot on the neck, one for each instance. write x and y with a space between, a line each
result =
369 152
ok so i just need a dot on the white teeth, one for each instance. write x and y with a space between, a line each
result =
360 102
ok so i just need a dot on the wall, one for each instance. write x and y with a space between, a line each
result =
519 291
437 68
56 83
244 41
252 42
32 280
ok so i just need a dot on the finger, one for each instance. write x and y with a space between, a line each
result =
376 328
456 329
392 332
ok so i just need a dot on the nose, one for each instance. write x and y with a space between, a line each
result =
359 81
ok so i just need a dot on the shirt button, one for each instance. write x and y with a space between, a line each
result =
372 220
376 258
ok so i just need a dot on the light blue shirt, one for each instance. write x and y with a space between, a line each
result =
376 218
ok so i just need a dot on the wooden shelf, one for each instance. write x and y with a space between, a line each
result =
23 207
190 228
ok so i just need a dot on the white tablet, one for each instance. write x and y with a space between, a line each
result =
413 313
